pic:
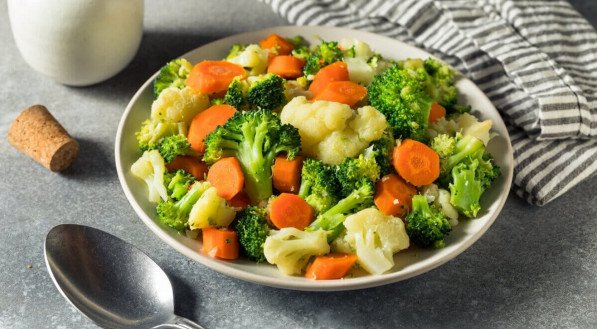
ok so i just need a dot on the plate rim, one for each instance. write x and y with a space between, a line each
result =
281 282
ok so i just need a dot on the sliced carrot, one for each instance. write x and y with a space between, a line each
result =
288 67
346 92
436 112
206 122
393 195
190 164
337 71
330 267
416 162
220 242
290 210
213 76
286 174
277 43
227 177
240 200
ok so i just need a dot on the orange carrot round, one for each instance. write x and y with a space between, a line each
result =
290 210
240 200
436 112
206 122
337 71
227 177
416 162
286 174
220 243
213 76
277 44
330 267
393 195
190 164
288 67
346 92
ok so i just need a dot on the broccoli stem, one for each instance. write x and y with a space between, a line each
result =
467 146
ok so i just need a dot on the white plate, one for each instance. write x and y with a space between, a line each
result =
408 263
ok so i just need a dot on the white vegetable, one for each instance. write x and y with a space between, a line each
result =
210 210
361 49
465 123
150 167
376 237
253 58
332 131
178 105
443 200
359 71
290 249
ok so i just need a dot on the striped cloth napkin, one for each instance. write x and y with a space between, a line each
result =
536 60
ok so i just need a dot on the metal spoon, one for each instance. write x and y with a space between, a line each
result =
109 280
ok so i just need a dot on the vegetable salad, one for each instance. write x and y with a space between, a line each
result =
316 158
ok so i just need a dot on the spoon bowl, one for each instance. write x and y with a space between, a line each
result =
109 280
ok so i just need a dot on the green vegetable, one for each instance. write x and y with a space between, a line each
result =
175 214
178 183
352 171
252 229
400 95
235 50
254 138
382 151
262 92
324 54
172 146
154 130
319 186
331 220
425 225
173 74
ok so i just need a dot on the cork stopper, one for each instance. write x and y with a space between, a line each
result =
36 133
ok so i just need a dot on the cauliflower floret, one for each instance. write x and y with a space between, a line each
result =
332 131
443 201
359 71
290 249
375 237
465 123
178 105
210 210
253 58
150 167
361 49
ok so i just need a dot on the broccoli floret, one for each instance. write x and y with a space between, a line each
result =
331 220
444 145
426 226
327 52
150 167
254 138
290 249
352 171
235 50
466 146
173 74
266 92
470 179
400 95
175 214
319 186
178 183
172 146
154 130
382 151
252 229
262 92
441 83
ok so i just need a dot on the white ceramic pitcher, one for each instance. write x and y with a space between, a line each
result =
77 42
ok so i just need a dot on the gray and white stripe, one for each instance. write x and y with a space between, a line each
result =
535 59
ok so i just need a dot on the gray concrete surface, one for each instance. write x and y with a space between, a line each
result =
535 267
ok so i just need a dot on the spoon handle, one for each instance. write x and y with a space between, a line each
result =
179 322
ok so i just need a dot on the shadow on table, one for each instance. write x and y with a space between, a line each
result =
94 162
185 301
156 49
